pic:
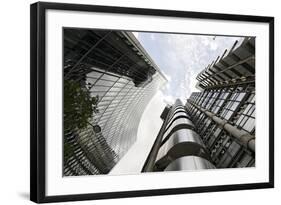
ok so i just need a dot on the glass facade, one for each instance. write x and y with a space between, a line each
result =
236 107
114 68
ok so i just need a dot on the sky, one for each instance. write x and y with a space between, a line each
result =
180 58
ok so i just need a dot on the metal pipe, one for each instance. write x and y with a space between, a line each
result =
245 138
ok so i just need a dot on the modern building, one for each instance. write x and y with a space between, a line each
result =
115 68
216 127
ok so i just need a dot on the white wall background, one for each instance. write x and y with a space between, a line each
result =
14 103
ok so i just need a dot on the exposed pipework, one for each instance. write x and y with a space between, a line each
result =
245 138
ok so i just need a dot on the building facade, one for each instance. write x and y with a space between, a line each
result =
216 127
114 68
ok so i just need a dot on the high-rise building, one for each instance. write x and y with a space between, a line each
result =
216 127
114 68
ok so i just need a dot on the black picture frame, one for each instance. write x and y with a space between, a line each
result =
38 100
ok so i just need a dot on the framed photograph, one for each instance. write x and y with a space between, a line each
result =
129 102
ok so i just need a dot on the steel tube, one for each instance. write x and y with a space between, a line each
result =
245 138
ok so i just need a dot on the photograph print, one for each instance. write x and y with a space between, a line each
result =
137 102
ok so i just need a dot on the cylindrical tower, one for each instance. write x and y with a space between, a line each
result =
178 146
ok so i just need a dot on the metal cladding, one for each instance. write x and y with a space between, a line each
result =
179 140
177 124
189 163
113 66
224 112
165 112
183 142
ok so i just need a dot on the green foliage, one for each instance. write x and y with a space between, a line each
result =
79 106
68 151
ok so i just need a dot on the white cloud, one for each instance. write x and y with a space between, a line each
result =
152 36
213 46
168 99
181 57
